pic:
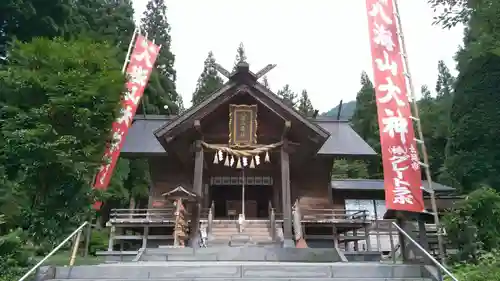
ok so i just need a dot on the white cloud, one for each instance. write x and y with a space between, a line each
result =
320 45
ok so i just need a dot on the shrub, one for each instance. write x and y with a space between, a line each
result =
486 269
98 241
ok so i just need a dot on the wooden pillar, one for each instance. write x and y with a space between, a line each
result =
198 190
286 198
145 237
111 238
367 238
335 236
422 237
402 239
356 244
122 232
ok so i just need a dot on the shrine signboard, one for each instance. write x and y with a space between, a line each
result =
242 125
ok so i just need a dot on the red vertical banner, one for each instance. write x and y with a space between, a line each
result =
142 60
402 176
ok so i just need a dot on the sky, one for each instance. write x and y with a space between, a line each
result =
321 46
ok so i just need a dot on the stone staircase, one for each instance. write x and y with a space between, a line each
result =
241 271
256 232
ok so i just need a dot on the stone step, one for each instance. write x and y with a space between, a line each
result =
254 279
248 270
267 252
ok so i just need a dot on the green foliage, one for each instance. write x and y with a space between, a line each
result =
364 120
25 19
481 18
138 180
435 120
472 152
14 259
288 96
160 96
473 225
58 101
349 169
117 193
346 113
305 105
98 241
487 268
209 80
105 20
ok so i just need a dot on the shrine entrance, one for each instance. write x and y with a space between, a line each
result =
228 201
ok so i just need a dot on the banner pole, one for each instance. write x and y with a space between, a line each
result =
420 141
129 49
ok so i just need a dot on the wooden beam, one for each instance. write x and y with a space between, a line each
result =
197 126
286 129
286 197
265 70
198 190
222 70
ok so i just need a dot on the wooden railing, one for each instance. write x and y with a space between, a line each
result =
210 216
333 215
142 215
272 221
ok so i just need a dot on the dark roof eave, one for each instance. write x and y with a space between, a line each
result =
188 113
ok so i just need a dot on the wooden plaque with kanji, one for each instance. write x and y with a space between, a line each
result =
242 125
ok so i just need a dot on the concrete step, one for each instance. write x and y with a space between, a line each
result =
268 252
254 279
246 270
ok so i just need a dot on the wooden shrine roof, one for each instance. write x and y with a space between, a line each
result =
375 184
343 140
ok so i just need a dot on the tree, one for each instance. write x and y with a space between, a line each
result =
160 96
208 82
472 154
436 117
349 169
305 105
107 20
473 224
445 81
481 19
240 56
287 96
365 122
24 20
56 113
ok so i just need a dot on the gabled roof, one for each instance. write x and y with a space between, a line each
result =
375 184
343 141
241 81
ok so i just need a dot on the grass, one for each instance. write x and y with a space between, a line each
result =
62 259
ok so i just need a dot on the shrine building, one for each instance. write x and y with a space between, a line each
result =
244 144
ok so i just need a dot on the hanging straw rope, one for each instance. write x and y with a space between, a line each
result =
243 153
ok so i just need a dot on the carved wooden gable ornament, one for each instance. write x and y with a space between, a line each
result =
242 125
